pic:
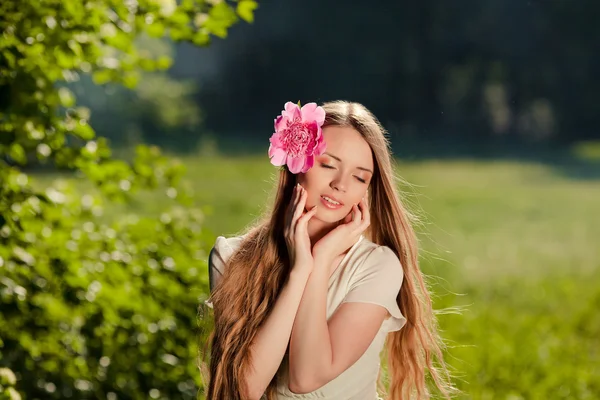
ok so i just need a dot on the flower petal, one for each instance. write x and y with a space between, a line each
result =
275 140
292 111
280 123
278 156
295 164
312 112
310 161
319 133
321 147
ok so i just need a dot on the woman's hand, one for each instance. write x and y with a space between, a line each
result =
296 232
342 237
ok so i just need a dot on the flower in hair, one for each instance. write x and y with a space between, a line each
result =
298 137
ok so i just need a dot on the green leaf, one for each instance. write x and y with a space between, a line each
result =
164 62
63 59
66 97
147 64
75 47
156 29
84 131
131 79
10 59
17 153
245 9
102 76
181 33
221 17
180 18
201 39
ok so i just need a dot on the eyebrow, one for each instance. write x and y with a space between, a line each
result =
340 160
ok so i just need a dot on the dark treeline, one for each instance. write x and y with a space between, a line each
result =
444 77
508 71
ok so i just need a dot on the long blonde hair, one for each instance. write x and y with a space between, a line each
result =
257 271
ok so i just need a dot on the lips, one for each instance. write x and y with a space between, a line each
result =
333 198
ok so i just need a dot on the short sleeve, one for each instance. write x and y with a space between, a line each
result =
378 281
217 260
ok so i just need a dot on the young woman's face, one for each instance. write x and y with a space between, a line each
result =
342 174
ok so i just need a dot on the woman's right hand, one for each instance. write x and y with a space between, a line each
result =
296 232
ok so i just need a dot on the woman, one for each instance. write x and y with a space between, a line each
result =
305 300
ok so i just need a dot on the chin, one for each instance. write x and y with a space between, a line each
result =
330 216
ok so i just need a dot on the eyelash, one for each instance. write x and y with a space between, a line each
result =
330 167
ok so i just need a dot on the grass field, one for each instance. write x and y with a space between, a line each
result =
516 246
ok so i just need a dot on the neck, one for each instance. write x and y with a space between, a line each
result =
317 229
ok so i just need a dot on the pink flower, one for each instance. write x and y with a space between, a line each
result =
298 137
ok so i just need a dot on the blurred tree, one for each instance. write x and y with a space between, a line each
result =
90 310
159 110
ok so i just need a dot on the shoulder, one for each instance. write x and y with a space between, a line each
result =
384 255
377 278
223 249
219 256
376 259
227 245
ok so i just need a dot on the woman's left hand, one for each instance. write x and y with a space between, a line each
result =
342 237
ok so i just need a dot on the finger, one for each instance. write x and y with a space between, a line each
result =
300 204
366 214
308 214
367 211
362 204
299 208
356 218
303 220
347 218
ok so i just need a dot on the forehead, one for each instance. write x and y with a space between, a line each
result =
349 145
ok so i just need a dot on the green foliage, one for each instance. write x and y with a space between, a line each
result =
7 383
94 308
51 41
91 309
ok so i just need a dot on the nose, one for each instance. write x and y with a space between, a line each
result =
339 184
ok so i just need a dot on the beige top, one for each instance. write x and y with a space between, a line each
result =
368 273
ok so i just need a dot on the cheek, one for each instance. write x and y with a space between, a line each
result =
313 183
356 198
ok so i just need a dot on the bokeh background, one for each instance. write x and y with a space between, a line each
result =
132 133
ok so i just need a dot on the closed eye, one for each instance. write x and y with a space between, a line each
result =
330 167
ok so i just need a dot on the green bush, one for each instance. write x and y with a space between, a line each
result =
88 308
